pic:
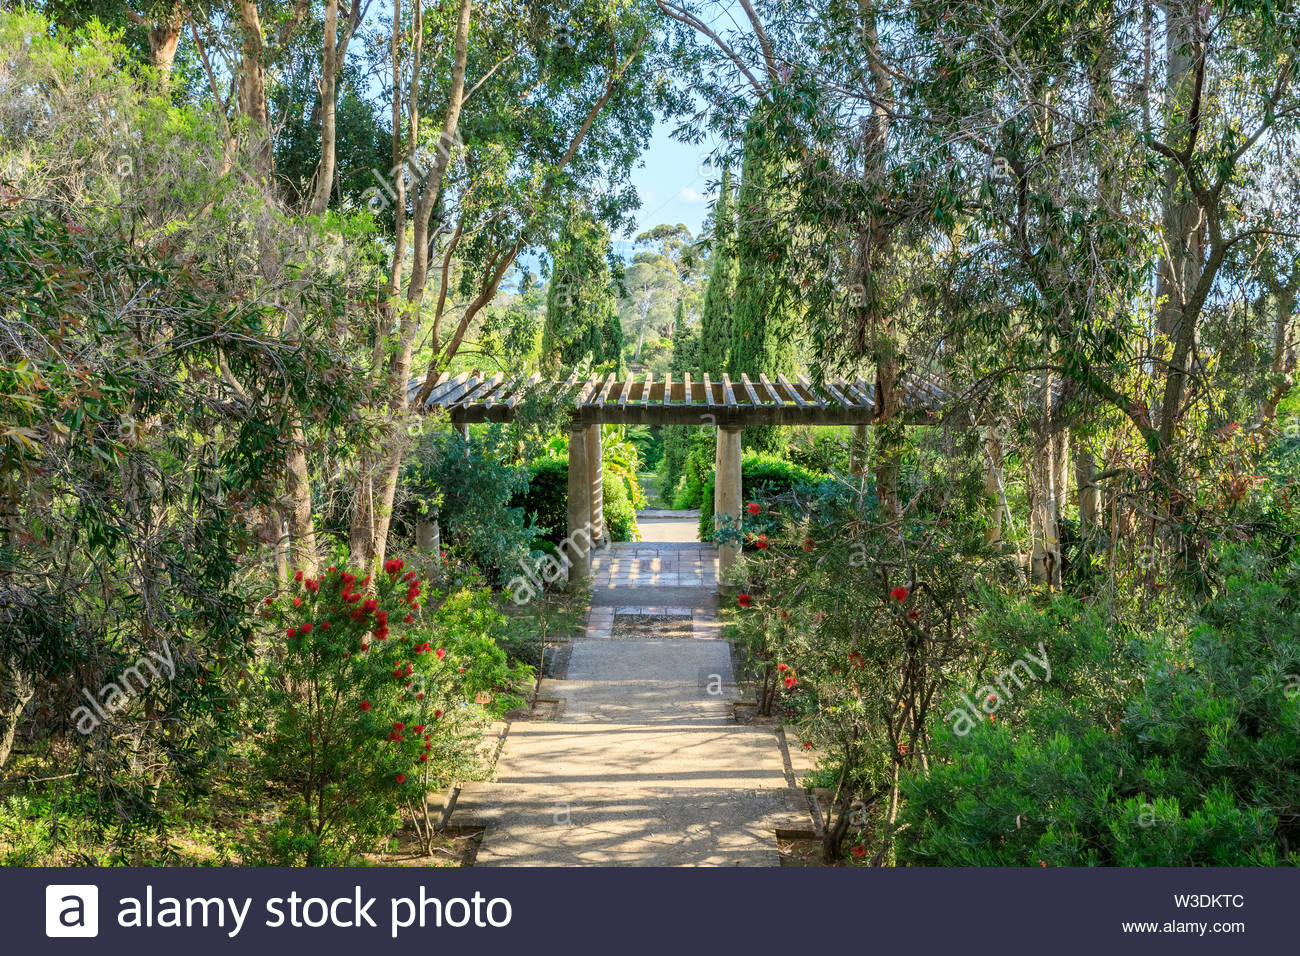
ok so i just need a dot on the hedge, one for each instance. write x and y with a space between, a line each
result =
762 476
546 501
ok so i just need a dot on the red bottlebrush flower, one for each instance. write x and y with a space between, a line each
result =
428 745
858 852
1041 863
365 581
398 673
899 594
415 605
744 600
753 507
298 576
364 648
381 618
409 576
418 728
408 619
401 778
325 625
807 745
291 633
332 569
761 543
399 726
783 667
268 601
370 605
348 578
441 652
902 748
790 682
993 698
420 696
437 713
424 758
381 634
914 615
305 629
856 659
395 737
352 598
365 705
297 602
807 544
358 614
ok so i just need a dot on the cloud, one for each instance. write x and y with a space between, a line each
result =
689 195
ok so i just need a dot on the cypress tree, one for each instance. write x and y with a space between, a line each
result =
581 312
762 322
719 296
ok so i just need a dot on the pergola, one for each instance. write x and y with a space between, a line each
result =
729 406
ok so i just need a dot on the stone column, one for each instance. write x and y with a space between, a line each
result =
727 493
428 536
596 476
577 546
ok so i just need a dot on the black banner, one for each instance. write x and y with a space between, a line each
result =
644 910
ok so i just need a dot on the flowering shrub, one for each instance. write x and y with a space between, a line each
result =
355 700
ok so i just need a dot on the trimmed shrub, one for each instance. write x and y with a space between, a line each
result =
763 477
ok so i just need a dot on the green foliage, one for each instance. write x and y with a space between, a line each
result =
714 341
763 320
582 324
764 477
475 489
546 501
1164 749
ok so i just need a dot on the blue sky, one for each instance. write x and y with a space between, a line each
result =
673 182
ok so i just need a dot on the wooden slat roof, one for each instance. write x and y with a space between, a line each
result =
475 397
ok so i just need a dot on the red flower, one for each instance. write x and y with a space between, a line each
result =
441 652
268 601
899 594
437 713
348 578
753 507
790 682
297 602
365 647
399 726
409 576
394 566
783 667
370 605
420 696
298 576
858 852
914 615
305 629
365 580
325 625
744 600
358 614
902 748
398 673
807 745
418 728
365 705
381 618
424 758
415 605
807 544
408 619
856 659
291 633
761 543
401 778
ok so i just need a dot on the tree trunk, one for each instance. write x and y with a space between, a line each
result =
327 86
369 532
1284 355
164 37
1085 473
252 84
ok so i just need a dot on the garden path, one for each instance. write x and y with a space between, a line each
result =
643 763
